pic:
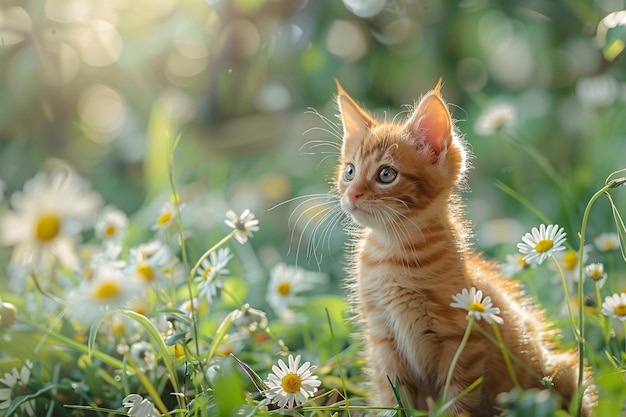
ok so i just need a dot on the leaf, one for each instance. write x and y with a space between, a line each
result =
219 335
254 377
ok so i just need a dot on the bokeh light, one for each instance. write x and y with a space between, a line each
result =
15 25
102 112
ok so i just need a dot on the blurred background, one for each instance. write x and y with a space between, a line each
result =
248 85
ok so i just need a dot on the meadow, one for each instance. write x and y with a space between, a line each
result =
166 243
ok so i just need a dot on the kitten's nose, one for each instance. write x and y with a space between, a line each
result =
355 195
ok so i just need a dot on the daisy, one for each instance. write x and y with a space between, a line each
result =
108 290
112 224
211 269
247 319
607 242
284 285
515 263
473 302
16 384
290 386
245 224
595 271
495 117
150 266
614 306
47 216
143 355
542 243
138 406
166 219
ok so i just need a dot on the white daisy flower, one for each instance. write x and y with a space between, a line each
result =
614 306
245 224
138 406
542 243
166 219
473 302
15 383
495 117
607 242
248 319
112 224
595 271
284 285
515 263
290 386
152 266
46 217
143 355
211 269
108 290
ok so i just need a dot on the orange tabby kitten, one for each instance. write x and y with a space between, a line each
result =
400 182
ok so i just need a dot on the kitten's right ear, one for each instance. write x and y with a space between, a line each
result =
354 119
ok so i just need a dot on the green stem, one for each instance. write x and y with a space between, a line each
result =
206 254
507 361
567 302
457 355
581 295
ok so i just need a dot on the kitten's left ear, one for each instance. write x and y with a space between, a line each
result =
431 122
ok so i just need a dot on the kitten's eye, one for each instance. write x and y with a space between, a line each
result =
387 175
348 174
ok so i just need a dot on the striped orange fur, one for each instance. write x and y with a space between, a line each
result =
400 182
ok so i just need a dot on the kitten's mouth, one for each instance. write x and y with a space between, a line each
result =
358 213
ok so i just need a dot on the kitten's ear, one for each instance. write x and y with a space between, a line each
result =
354 119
431 122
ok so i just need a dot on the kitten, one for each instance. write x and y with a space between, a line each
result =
400 183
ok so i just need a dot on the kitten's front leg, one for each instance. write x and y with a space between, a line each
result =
384 360
469 369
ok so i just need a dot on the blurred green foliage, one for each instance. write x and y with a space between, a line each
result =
80 80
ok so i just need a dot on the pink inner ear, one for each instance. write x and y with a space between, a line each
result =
431 123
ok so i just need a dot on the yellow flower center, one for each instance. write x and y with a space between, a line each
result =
106 291
520 261
544 245
48 227
620 310
476 307
164 218
499 120
291 383
110 230
205 274
284 289
609 245
118 328
145 271
570 260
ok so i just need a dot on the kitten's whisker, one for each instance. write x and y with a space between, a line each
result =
336 129
318 143
300 197
327 224
313 218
